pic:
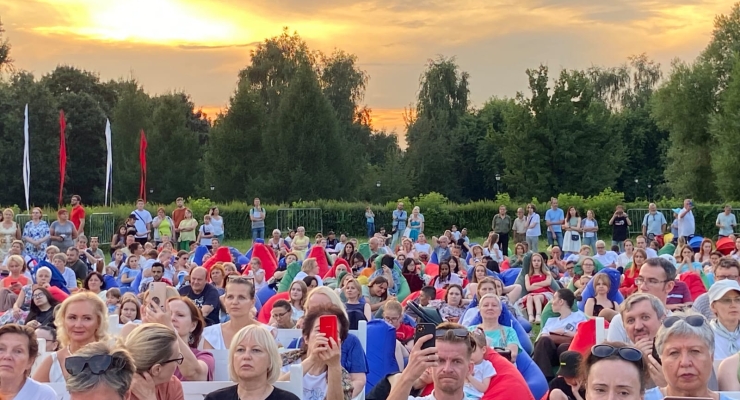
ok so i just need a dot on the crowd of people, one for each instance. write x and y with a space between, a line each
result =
671 301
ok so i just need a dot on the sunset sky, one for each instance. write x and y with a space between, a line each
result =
199 46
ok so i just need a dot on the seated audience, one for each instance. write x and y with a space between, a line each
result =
558 332
567 379
204 295
600 305
49 334
282 315
18 351
724 299
613 370
499 336
98 372
239 302
41 312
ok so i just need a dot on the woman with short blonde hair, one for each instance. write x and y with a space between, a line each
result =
156 354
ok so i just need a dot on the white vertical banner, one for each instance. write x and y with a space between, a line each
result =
108 165
26 162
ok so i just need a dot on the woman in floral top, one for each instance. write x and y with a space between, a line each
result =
36 235
452 308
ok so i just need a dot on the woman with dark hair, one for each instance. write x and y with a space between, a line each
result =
611 370
320 356
453 306
348 252
311 282
118 241
412 275
95 283
41 312
186 320
49 334
376 293
445 277
358 263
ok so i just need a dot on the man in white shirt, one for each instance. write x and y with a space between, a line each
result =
726 222
142 223
686 224
557 333
607 258
643 244
449 363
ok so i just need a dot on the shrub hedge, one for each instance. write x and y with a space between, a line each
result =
439 213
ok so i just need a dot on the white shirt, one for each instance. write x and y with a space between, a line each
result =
651 253
567 324
37 391
537 230
607 258
623 260
423 248
299 277
686 224
315 386
481 371
142 218
616 332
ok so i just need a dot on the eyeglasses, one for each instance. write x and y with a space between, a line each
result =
629 354
38 296
731 300
651 282
278 316
392 320
693 320
178 360
723 277
97 364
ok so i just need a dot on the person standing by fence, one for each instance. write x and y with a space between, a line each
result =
399 223
370 221
77 217
653 225
257 215
501 225
143 222
178 214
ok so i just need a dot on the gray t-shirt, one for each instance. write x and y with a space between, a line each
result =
727 222
258 213
64 230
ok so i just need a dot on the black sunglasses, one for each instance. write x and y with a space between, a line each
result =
97 364
630 354
694 320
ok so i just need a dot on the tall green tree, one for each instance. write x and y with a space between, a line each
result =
725 130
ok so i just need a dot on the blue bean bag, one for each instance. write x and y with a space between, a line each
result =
200 251
506 319
695 242
257 304
613 295
110 282
471 271
509 276
532 374
235 254
381 361
57 279
264 294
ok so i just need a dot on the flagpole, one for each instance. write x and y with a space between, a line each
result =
108 166
26 160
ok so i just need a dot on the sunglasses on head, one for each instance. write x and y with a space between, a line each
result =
625 353
97 364
458 332
693 320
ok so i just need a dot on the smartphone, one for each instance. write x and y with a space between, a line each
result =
655 354
423 329
691 203
329 326
157 294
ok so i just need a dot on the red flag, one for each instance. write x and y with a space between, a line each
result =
142 162
62 153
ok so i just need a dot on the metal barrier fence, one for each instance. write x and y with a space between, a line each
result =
291 218
102 226
22 219
637 215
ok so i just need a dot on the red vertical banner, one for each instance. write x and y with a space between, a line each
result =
142 162
62 153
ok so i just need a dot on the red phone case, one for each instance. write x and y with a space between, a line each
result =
328 325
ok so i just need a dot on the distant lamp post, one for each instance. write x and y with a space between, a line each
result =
650 186
377 184
213 188
151 190
498 179
637 191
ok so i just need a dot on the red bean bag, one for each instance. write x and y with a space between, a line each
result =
725 246
504 265
222 255
332 273
267 257
694 282
431 269
266 310
319 254
415 295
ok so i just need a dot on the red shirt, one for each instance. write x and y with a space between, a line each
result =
77 215
20 282
405 332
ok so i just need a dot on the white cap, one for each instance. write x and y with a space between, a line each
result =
720 288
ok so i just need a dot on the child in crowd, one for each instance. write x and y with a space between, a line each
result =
118 261
561 388
60 262
476 383
112 300
205 233
257 273
537 281
129 272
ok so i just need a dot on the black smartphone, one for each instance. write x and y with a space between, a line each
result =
423 329
655 354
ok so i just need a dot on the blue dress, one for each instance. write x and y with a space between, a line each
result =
414 227
36 232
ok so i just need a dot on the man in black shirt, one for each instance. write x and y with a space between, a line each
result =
620 223
203 294
567 380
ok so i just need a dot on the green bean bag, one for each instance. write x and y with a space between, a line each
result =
554 285
293 269
365 250
669 249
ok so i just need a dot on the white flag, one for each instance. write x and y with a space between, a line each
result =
26 162
109 165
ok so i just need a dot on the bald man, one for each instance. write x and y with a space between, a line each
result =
203 294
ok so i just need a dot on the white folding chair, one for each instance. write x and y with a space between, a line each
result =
286 336
114 328
732 395
221 369
295 385
41 356
600 330
361 334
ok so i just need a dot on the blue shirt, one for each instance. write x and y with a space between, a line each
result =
399 219
353 357
555 216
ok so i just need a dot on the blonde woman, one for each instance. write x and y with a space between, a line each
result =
299 244
9 231
155 350
416 224
309 268
81 319
297 292
253 346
